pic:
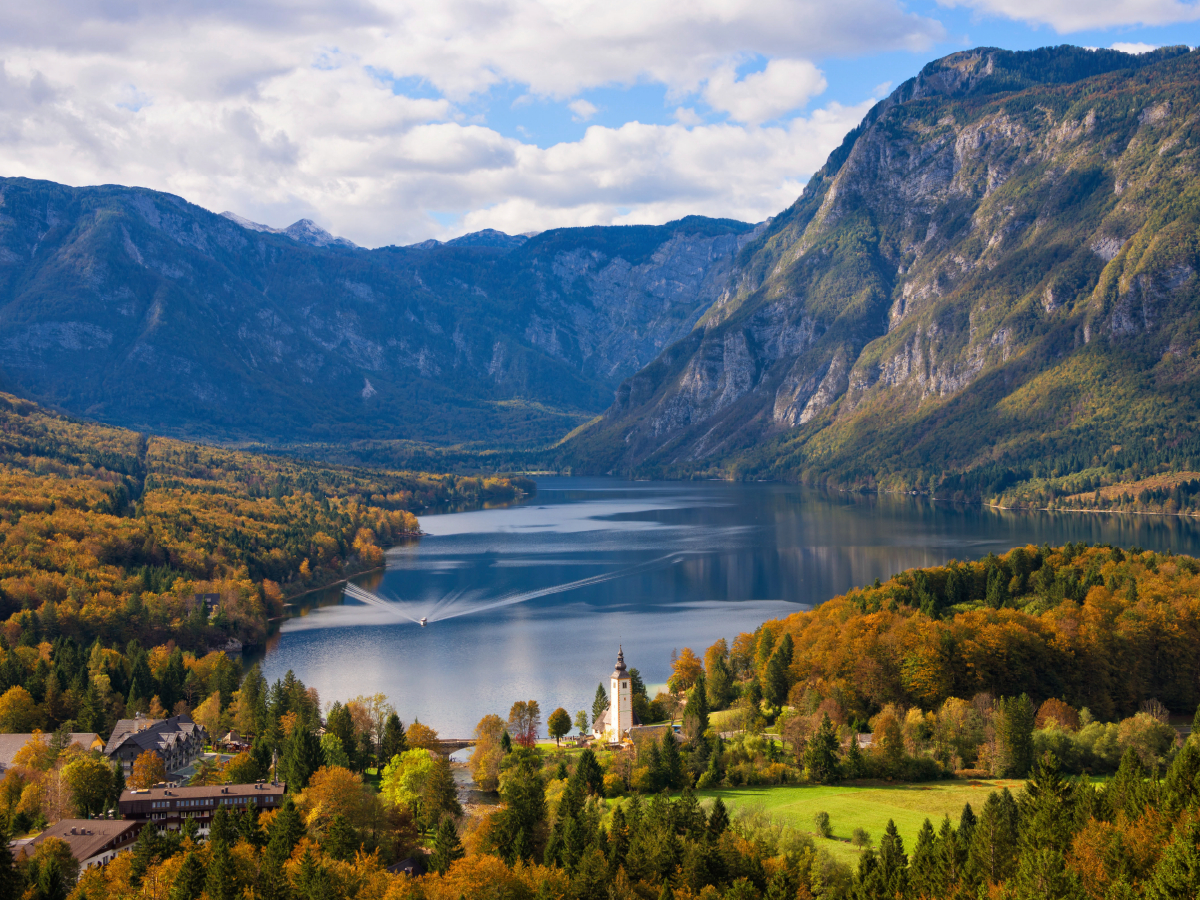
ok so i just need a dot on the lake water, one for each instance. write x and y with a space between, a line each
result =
530 601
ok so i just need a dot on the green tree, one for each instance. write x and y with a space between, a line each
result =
671 761
1014 736
341 840
994 841
90 780
333 752
10 878
189 882
1178 871
219 883
394 739
719 683
821 755
440 797
558 724
777 678
446 847
301 757
695 712
599 702
581 721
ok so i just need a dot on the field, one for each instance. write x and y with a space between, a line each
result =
867 806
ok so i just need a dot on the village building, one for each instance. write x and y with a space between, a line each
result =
178 741
93 842
167 807
614 723
11 744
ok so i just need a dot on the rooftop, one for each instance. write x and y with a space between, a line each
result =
87 837
261 789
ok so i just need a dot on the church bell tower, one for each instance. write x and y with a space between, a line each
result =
620 709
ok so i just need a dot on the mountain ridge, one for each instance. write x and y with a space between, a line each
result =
974 234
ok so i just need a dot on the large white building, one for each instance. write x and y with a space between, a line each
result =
614 723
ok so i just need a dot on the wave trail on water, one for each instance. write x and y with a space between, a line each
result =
463 603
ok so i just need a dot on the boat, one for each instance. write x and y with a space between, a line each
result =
423 621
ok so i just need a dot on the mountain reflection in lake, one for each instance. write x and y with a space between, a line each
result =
531 600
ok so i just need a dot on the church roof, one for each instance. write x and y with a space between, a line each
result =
620 671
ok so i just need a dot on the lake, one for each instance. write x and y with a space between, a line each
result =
531 600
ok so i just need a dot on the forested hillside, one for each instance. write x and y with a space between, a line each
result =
139 309
993 280
106 533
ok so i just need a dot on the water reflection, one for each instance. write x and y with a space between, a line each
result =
530 601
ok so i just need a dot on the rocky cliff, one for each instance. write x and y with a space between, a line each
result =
994 278
140 309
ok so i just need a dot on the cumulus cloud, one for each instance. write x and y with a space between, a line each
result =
1139 47
784 85
1066 16
582 109
352 113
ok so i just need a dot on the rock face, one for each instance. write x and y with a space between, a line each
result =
999 265
141 309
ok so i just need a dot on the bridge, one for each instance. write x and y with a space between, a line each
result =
446 746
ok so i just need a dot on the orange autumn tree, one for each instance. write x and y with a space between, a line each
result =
148 770
684 671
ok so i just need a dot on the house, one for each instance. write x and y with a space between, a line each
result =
10 744
178 741
167 807
93 842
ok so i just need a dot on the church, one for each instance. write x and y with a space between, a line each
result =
614 723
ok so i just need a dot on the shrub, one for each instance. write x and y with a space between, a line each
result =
821 821
614 785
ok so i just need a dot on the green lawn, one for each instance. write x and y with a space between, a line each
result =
867 806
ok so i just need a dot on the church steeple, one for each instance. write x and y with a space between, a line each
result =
620 671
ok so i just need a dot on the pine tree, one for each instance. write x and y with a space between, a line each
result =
672 762
923 871
1180 787
219 883
1014 735
599 703
394 740
777 678
446 847
10 878
1178 872
1128 792
286 830
950 861
820 755
994 843
853 764
223 829
718 819
189 883
893 863
695 713
1048 809
966 825
341 840
1044 874
301 757
312 880
441 793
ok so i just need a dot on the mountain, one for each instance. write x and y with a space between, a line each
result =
993 280
140 309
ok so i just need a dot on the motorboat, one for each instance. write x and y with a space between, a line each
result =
424 621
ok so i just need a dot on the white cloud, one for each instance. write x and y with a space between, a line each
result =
582 110
1134 48
279 109
784 85
1066 16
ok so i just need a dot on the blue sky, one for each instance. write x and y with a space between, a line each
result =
391 121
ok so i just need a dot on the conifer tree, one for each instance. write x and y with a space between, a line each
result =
718 819
394 742
1048 810
672 762
1044 874
189 883
219 883
1014 735
223 829
695 712
440 797
341 841
10 878
923 870
951 860
853 764
312 880
994 842
301 757
893 863
446 847
821 755
1178 872
599 702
